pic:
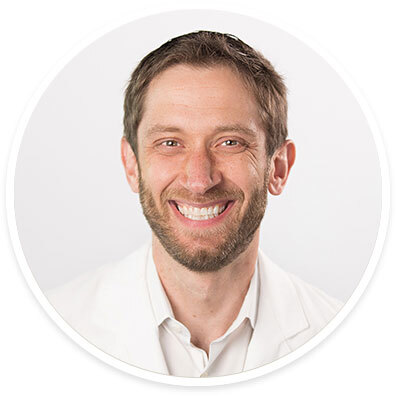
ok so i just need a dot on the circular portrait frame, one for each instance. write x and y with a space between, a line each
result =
352 299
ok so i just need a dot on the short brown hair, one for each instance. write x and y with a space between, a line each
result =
207 49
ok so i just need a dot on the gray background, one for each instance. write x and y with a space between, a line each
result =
74 209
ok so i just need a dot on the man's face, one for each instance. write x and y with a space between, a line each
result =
203 169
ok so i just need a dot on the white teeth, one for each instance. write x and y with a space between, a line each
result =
194 213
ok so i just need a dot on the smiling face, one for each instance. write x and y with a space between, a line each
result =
202 172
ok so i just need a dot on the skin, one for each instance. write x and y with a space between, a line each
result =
201 132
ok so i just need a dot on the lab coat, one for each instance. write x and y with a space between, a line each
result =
110 307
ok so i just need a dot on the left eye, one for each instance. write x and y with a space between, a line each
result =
170 143
230 142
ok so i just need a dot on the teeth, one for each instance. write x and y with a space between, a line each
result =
194 213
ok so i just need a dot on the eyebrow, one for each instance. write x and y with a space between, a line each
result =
236 128
158 128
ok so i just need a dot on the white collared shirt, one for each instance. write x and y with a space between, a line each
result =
227 353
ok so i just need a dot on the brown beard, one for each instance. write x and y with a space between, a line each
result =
236 236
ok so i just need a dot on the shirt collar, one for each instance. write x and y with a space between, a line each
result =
163 310
250 304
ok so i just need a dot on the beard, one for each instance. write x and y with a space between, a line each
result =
234 236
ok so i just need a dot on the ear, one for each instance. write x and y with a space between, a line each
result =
130 163
281 163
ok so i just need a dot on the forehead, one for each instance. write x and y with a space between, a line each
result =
199 96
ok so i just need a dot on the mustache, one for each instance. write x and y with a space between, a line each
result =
214 194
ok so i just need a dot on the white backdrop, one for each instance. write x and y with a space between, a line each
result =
37 357
73 206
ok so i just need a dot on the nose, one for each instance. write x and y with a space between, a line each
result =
200 171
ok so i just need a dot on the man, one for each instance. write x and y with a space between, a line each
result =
205 138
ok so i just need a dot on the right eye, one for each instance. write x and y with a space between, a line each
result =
169 146
170 143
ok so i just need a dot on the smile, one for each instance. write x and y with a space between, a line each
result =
202 212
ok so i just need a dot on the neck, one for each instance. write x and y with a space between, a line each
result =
206 302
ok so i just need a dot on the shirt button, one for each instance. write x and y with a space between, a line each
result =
204 375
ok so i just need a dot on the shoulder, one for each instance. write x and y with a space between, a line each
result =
110 307
319 307
292 297
100 288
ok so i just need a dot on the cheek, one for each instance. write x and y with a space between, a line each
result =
159 173
244 173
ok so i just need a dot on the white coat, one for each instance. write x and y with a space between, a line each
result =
110 307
